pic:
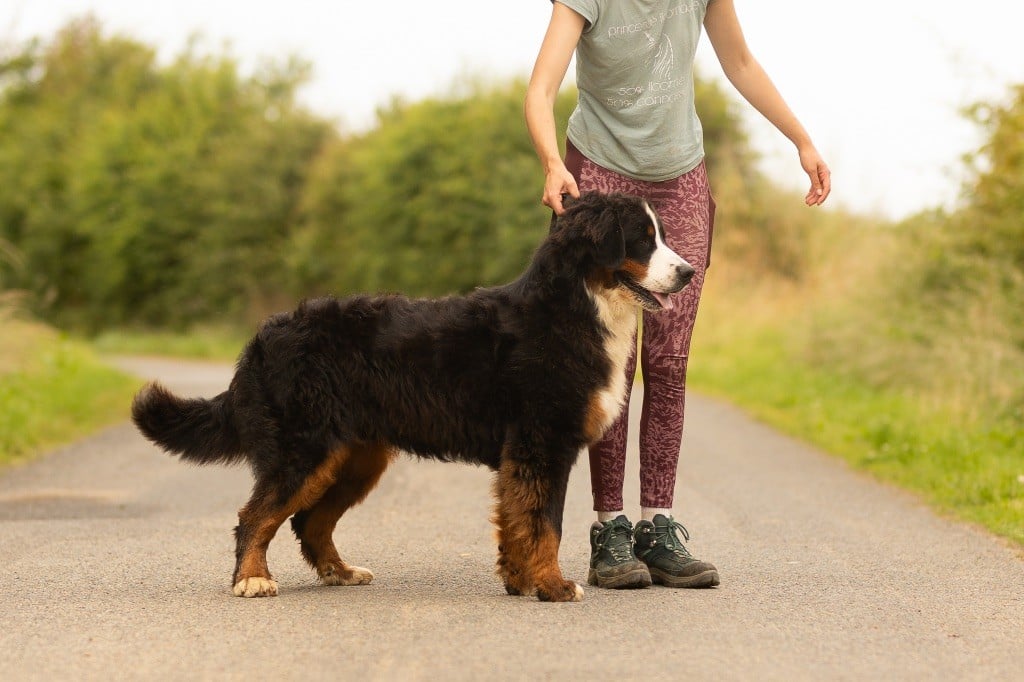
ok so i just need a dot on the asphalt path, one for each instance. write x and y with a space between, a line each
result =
116 563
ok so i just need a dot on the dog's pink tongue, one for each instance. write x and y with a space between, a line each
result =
664 299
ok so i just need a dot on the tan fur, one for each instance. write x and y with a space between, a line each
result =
637 271
263 517
527 544
359 475
596 421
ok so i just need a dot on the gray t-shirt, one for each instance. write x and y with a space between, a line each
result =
634 70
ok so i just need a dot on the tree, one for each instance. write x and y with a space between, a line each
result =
152 194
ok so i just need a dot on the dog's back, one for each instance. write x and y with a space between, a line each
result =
427 376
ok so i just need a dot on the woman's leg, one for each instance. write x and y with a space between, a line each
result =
685 208
687 213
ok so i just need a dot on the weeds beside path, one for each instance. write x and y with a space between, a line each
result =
53 390
971 468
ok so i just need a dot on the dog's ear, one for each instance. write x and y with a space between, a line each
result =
593 219
568 201
605 231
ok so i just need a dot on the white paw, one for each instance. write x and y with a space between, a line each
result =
256 587
359 576
579 594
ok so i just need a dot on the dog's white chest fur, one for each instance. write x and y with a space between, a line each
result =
619 316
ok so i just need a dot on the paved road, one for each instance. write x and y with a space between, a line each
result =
116 563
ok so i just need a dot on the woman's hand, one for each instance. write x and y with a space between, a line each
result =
559 181
820 175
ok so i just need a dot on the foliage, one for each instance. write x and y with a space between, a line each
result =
208 342
969 468
440 197
53 390
939 311
993 223
147 193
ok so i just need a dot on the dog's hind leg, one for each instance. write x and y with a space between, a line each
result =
266 510
314 526
529 519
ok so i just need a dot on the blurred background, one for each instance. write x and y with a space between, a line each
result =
171 174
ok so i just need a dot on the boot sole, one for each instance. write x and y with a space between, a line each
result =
705 579
636 579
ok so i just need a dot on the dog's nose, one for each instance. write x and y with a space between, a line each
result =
684 273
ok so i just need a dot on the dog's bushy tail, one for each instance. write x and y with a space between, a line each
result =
201 431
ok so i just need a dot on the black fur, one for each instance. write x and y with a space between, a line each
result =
501 375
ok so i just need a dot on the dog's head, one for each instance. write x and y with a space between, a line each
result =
624 248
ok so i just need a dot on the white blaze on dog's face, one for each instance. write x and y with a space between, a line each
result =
651 270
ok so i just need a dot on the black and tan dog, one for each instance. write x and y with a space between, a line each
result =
519 378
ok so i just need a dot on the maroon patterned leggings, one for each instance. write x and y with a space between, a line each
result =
687 212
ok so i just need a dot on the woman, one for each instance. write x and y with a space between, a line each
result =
635 130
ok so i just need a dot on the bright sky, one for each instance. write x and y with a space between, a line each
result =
879 91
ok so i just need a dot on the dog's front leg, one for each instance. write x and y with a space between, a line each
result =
529 518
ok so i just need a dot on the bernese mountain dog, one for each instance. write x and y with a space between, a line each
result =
518 377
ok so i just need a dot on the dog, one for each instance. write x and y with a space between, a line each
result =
518 378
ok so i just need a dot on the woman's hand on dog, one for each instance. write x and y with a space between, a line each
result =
558 181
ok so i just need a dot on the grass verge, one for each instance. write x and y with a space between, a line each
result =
53 390
970 468
208 343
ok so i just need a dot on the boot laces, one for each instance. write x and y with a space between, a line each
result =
607 536
666 535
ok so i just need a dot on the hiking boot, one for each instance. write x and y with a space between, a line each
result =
667 558
612 562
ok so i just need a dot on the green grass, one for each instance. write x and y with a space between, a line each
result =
971 469
210 343
53 390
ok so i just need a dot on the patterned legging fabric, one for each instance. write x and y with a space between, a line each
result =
687 212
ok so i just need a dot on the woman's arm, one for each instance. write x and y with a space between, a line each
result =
746 74
560 41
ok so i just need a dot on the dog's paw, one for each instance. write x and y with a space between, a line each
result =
345 575
578 596
565 590
256 587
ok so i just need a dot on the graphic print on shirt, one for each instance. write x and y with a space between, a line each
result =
656 52
664 58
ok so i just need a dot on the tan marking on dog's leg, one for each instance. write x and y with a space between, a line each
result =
596 421
261 519
528 545
358 476
551 586
511 565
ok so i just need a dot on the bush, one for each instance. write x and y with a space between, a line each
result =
141 193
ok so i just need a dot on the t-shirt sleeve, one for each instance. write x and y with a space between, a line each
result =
588 9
